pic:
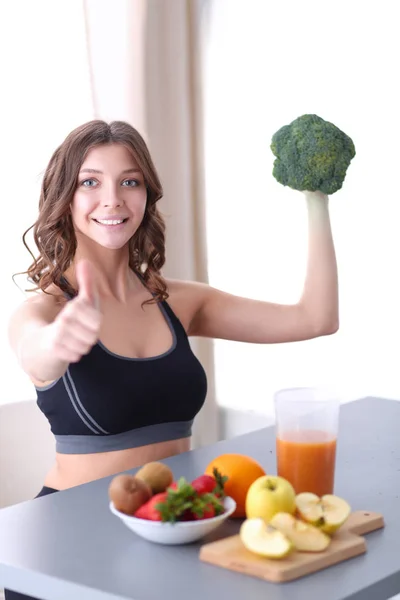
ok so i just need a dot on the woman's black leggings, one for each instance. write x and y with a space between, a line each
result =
9 595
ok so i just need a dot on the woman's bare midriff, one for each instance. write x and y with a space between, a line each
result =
71 470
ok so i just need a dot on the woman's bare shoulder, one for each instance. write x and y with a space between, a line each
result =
41 304
186 299
36 311
186 287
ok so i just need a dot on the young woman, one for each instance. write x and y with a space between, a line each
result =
105 337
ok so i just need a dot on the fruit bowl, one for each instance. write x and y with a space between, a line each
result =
180 532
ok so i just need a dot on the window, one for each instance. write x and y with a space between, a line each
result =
266 64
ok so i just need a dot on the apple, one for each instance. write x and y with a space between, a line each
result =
264 540
304 537
328 512
268 495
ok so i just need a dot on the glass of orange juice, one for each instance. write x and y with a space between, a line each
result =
306 436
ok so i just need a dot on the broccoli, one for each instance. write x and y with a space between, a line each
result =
311 154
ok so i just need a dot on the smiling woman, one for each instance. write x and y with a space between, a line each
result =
111 362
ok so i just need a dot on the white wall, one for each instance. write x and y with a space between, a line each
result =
265 66
46 92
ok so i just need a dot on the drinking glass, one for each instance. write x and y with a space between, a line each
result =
307 422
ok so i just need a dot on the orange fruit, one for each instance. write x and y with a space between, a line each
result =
241 471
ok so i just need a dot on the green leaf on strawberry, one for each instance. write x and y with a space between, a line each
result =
221 480
183 499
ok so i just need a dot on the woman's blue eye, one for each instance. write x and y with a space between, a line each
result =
89 183
93 183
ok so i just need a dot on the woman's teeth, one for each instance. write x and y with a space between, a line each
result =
109 222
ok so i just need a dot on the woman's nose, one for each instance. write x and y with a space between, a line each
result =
111 197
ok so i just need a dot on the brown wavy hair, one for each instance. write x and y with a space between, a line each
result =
53 230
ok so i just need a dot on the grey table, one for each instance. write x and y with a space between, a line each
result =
69 546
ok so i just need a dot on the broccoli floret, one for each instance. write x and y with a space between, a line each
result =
311 154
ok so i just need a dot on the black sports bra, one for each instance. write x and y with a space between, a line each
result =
109 402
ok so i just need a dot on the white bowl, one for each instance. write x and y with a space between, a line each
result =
182 532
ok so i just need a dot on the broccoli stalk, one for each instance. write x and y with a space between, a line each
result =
311 154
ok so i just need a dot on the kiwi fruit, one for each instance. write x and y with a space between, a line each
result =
157 476
128 493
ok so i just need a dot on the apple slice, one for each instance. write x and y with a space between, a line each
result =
328 513
264 540
304 537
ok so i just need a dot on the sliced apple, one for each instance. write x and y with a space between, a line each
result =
328 512
264 540
304 537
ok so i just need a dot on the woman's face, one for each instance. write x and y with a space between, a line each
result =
110 199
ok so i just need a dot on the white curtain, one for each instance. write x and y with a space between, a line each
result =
148 73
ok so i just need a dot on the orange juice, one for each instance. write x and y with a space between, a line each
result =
307 460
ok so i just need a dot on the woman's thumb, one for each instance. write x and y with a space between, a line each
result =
87 289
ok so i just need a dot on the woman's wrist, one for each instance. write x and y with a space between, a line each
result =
316 198
317 204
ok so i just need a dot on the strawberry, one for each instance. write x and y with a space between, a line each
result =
180 502
187 515
206 506
204 484
150 510
173 486
208 512
175 504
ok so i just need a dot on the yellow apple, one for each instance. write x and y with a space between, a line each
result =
268 495
328 512
304 537
264 540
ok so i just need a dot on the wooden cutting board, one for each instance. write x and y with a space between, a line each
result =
346 543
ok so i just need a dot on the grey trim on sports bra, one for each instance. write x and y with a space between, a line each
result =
43 388
78 406
153 434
